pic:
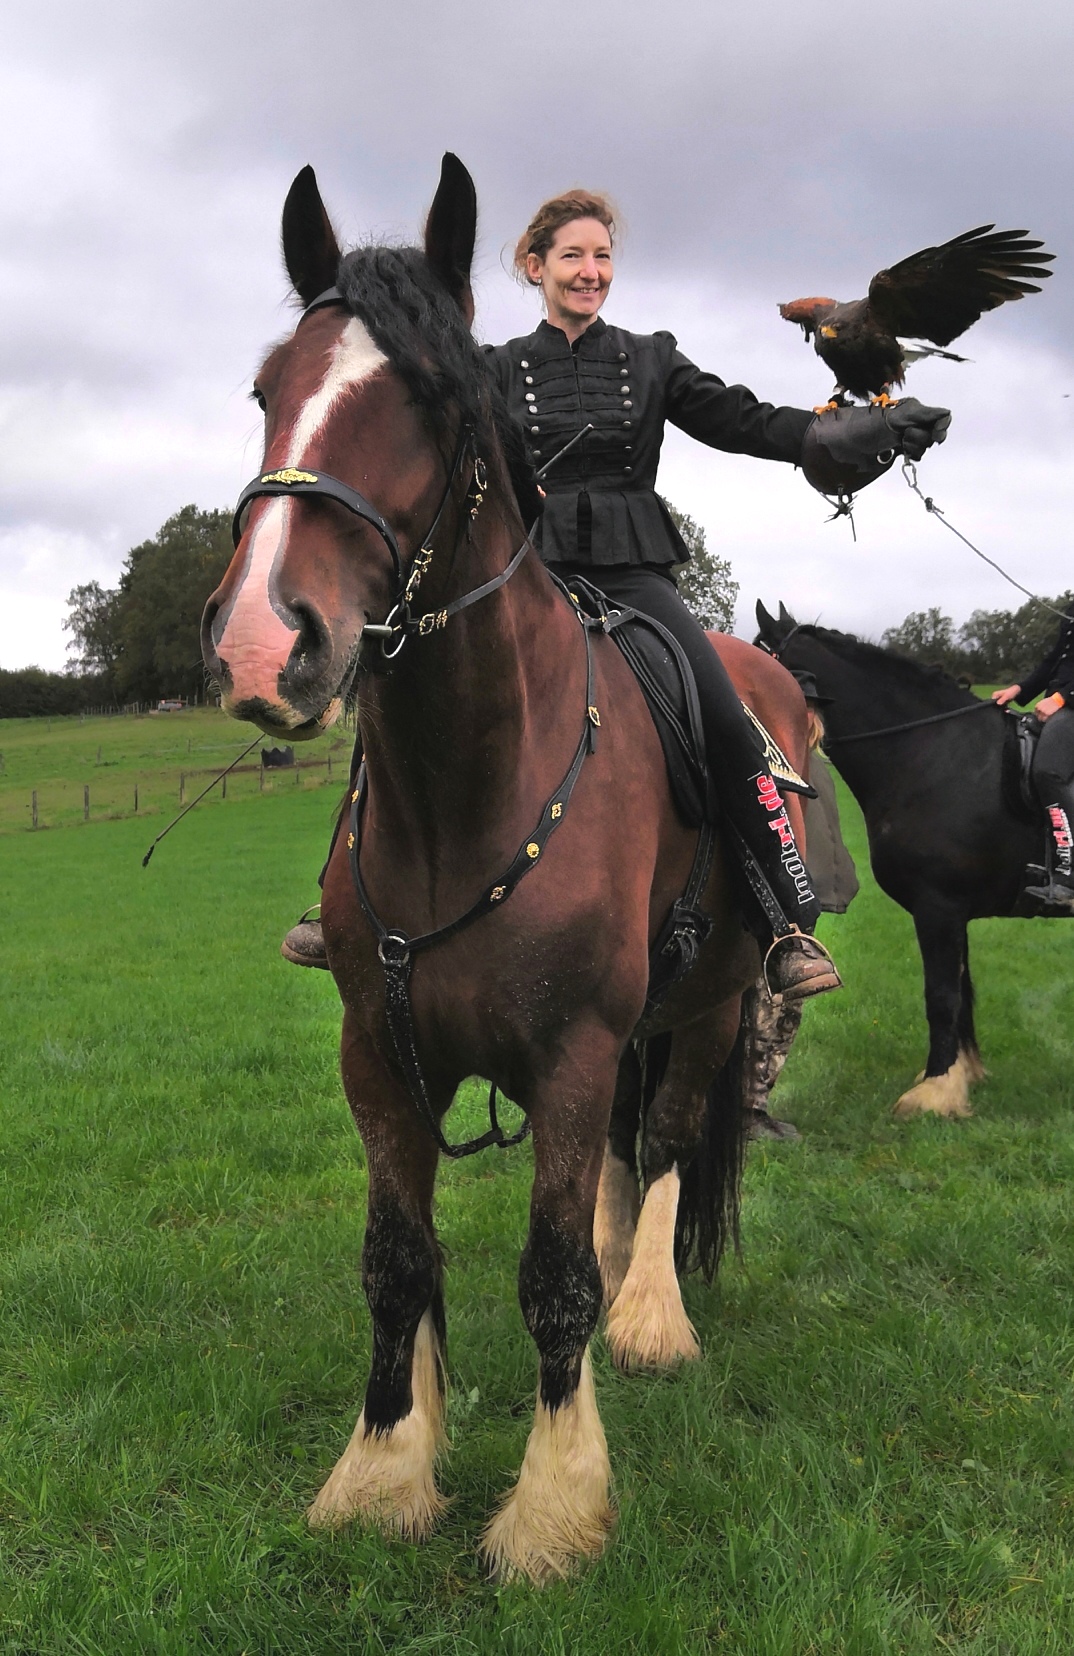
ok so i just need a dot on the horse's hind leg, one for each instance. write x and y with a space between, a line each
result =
618 1197
969 1051
558 1511
647 1325
944 1089
385 1474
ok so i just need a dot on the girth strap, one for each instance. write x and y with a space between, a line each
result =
396 949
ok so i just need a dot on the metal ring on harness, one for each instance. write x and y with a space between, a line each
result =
394 949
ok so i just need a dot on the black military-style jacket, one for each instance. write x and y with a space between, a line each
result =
602 505
1056 671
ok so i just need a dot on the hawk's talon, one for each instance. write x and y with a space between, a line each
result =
883 401
828 407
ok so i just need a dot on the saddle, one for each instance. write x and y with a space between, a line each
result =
1023 731
666 680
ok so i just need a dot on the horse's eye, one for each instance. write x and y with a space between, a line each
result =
259 398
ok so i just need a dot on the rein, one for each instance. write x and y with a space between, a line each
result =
914 724
887 730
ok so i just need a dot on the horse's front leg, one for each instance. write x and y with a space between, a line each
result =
559 1511
386 1473
944 1088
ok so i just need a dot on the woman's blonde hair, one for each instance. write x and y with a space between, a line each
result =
550 218
816 729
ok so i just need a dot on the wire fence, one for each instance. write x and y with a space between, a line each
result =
64 803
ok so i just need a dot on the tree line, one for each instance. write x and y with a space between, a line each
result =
992 647
140 640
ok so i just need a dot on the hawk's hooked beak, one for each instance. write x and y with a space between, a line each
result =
827 332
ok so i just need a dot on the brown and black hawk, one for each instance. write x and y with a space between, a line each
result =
933 295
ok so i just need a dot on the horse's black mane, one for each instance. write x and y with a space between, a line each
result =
423 333
914 674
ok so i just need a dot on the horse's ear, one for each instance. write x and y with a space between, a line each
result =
786 619
766 624
450 232
310 249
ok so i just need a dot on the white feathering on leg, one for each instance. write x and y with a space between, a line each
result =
388 1479
558 1511
647 1326
614 1222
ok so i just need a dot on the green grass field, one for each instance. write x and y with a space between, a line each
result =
875 1454
60 757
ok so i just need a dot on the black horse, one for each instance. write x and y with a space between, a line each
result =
949 836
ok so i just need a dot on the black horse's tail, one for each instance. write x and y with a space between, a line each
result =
711 1185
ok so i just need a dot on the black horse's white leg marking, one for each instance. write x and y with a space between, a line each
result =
944 1088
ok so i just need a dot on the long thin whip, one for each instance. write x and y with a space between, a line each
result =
909 471
201 796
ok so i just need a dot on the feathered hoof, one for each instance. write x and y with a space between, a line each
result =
558 1515
518 1547
386 1480
650 1331
943 1095
385 1483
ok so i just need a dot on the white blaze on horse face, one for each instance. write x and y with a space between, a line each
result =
256 640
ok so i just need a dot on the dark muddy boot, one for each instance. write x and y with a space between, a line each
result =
304 945
1055 894
797 966
765 1126
1054 899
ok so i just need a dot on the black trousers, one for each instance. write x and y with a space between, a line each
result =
1053 767
735 763
1053 778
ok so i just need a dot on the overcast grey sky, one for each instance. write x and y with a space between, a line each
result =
758 152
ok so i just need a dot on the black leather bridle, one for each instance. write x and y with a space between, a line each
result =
400 624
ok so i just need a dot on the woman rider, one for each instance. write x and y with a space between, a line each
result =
1053 765
604 521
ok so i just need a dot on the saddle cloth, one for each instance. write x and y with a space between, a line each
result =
666 680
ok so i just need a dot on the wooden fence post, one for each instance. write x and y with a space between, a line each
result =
182 787
223 787
298 775
85 803
261 778
136 799
33 803
329 767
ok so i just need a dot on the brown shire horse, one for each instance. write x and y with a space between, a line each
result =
468 735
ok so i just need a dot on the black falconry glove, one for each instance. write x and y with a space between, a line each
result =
846 448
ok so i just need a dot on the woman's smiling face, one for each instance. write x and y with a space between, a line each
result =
575 274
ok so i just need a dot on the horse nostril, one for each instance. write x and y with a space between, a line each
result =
312 649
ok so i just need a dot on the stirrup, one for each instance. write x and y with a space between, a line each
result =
776 997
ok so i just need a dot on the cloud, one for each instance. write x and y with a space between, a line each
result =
757 152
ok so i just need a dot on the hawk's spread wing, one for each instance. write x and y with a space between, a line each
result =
940 292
